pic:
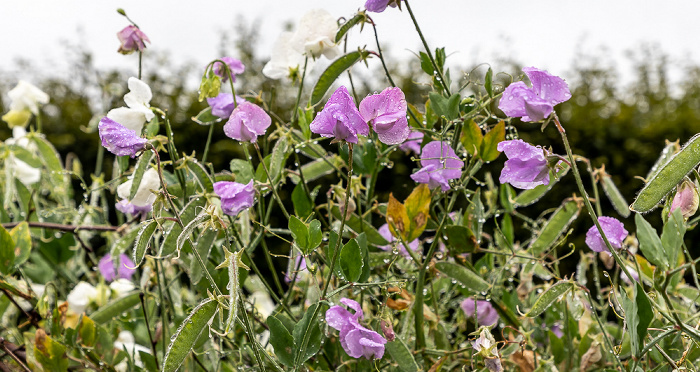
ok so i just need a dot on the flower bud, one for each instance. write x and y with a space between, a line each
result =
388 330
686 199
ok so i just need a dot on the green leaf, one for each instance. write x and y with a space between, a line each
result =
345 27
418 210
488 82
364 251
125 242
507 197
474 215
464 276
460 239
203 178
471 137
23 242
356 224
672 236
49 353
204 217
555 227
550 296
305 117
116 308
282 341
447 107
489 146
669 175
87 331
141 243
303 206
184 339
300 233
613 193
204 245
331 73
7 252
141 167
426 65
280 153
25 155
307 328
242 170
650 244
315 234
205 117
402 355
51 159
351 262
638 316
187 214
529 197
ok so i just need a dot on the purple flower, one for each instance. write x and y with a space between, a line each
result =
235 65
557 330
247 122
386 112
526 166
235 196
486 314
614 230
634 274
223 105
385 232
686 199
357 340
535 103
340 118
118 139
111 269
378 6
440 164
128 207
412 143
132 39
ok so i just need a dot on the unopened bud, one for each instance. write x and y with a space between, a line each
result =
121 11
686 198
388 330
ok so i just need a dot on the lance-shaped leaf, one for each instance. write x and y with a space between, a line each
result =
614 195
359 18
351 261
649 243
402 355
307 336
115 308
668 176
464 276
331 73
550 296
141 243
201 175
7 252
49 353
638 316
141 167
23 242
184 339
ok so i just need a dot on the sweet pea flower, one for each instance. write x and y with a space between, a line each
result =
112 269
340 118
235 196
223 104
356 340
686 199
527 166
315 35
385 232
132 39
144 198
79 298
537 102
440 164
138 110
24 172
557 329
118 139
247 122
486 314
121 287
235 65
285 60
412 143
25 96
386 112
614 230
378 6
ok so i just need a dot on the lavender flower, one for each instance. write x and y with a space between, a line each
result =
385 232
537 102
132 39
440 164
111 269
235 196
486 314
357 340
614 230
119 140
557 329
235 65
412 143
340 118
527 166
247 122
223 105
378 6
386 112
686 199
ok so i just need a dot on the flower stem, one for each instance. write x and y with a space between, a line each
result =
301 88
427 49
272 184
148 327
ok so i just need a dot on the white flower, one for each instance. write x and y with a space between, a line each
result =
263 303
315 34
144 196
19 138
24 172
284 58
485 344
79 298
121 287
125 341
138 111
26 96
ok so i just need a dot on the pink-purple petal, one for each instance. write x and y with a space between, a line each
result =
235 196
614 230
486 314
412 143
526 166
440 164
385 232
235 65
118 139
340 118
125 267
550 88
247 122
223 105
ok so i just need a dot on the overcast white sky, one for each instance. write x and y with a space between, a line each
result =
542 33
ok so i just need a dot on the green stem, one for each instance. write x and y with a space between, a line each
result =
140 63
272 184
206 146
605 332
427 49
301 88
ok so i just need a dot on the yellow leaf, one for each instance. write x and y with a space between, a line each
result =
418 210
396 217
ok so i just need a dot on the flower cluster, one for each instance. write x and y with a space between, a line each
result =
356 340
440 165
537 102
